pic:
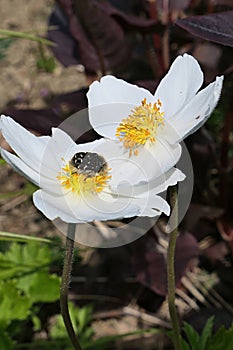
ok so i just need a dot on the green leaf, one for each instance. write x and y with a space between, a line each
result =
36 323
5 342
4 44
184 344
21 259
83 316
192 335
84 330
13 304
2 161
22 35
206 333
8 236
48 64
222 340
44 287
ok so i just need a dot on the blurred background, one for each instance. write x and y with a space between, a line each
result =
50 52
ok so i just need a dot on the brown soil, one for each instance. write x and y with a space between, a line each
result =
22 82
20 79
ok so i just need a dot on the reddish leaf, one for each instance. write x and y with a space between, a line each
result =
174 5
130 22
82 38
225 228
199 219
65 49
223 3
217 252
70 102
150 85
149 261
62 106
222 317
97 48
208 56
39 121
202 150
217 27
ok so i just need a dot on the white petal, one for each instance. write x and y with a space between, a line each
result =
42 154
112 90
97 146
158 185
149 164
111 100
19 166
151 204
52 206
59 145
52 186
61 142
181 83
28 147
170 178
195 113
156 205
148 204
106 118
73 209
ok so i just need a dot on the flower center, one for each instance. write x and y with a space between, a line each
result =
86 173
140 126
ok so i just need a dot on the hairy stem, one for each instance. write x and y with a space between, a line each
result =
171 269
66 276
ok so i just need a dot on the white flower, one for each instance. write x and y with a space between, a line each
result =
78 183
143 122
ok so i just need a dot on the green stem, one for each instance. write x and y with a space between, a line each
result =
22 35
171 269
66 276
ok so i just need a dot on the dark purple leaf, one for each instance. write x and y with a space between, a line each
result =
202 150
97 48
66 48
83 25
79 127
200 219
223 3
228 70
217 27
62 106
70 102
225 227
173 5
216 253
129 6
40 121
130 22
149 262
222 317
147 84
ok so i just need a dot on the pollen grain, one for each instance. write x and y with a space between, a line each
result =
140 126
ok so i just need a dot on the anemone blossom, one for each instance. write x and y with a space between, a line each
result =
79 183
145 123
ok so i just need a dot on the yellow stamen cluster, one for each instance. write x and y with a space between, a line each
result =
81 183
140 126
